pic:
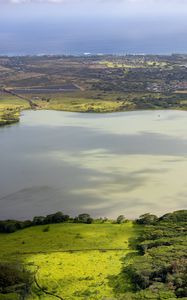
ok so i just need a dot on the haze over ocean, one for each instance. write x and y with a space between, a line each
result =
79 26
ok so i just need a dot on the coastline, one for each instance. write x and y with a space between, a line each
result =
13 117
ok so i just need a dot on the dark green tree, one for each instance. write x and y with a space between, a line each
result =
84 218
147 219
120 219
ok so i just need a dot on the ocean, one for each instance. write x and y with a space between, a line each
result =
77 36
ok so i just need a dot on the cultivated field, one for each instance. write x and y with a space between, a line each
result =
91 84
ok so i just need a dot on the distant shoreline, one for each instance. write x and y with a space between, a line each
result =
89 83
16 118
91 55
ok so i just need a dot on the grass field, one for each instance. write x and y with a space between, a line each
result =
74 261
90 101
81 275
85 101
10 107
140 64
85 105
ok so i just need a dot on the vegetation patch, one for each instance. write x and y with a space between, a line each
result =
115 260
77 275
10 108
67 236
160 271
71 260
15 281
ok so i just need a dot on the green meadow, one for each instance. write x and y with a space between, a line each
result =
73 261
79 275
145 259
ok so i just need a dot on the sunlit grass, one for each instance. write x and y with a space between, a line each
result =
73 260
67 237
81 275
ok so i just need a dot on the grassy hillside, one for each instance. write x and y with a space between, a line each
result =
67 236
138 260
60 269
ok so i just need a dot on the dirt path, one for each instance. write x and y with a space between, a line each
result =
72 251
32 104
42 289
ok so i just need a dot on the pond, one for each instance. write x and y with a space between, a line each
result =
103 164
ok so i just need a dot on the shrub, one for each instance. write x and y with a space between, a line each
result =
120 219
147 219
14 279
46 229
83 218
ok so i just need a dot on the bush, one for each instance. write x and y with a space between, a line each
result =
58 217
10 226
147 219
177 216
120 219
46 229
14 279
160 269
83 218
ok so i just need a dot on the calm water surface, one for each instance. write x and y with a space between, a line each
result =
103 164
77 35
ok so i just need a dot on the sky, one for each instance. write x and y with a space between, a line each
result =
63 24
105 7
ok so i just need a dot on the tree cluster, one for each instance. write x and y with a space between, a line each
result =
15 281
160 269
10 226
